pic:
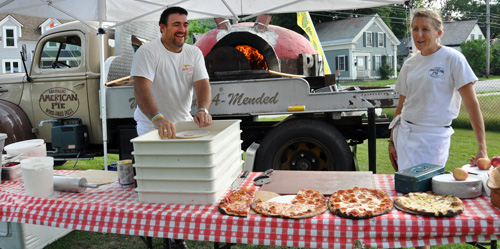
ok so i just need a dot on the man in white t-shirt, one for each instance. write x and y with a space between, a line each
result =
165 72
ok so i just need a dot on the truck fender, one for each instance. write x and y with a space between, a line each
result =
14 122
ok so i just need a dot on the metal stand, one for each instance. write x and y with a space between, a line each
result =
372 141
482 245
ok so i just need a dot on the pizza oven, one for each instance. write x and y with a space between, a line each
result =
257 50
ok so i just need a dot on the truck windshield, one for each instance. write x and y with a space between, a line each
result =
61 52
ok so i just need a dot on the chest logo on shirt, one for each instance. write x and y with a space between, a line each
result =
188 69
436 72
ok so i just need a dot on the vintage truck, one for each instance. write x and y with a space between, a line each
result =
58 100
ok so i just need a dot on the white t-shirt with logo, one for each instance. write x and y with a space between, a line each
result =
430 84
173 75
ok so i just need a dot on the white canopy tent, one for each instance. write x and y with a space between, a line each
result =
123 11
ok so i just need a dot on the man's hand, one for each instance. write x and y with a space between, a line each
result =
165 127
202 119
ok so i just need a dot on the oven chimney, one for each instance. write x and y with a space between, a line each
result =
222 23
262 22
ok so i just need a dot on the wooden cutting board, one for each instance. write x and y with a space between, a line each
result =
287 182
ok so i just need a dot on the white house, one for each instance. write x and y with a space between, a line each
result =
358 46
16 30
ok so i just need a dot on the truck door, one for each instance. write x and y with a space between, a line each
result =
59 87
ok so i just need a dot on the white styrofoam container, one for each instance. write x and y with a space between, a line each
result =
191 184
186 172
28 236
206 159
221 132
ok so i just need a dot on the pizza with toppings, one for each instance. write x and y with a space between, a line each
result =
430 204
359 203
238 203
307 203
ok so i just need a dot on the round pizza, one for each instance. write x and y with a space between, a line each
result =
359 203
307 203
238 202
430 204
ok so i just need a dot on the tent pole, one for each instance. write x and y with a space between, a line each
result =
102 10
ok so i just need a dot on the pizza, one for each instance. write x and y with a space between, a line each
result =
359 203
431 204
307 203
238 202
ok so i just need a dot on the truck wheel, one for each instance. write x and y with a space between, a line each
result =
304 144
14 122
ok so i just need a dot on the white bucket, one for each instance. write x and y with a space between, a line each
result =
28 148
38 176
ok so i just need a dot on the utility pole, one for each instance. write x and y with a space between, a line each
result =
487 38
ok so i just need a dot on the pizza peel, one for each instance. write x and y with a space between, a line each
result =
264 196
289 182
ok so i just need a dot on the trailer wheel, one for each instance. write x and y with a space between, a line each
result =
304 144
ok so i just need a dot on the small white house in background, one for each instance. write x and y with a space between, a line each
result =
456 32
16 30
358 46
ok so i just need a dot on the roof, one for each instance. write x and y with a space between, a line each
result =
31 32
457 32
345 29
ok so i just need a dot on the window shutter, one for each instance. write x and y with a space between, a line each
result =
364 39
336 62
374 40
385 40
346 63
373 63
383 60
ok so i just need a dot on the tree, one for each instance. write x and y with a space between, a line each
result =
475 52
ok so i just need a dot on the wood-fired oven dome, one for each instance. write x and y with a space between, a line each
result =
288 45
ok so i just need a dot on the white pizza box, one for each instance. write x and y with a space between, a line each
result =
188 171
28 236
182 159
191 184
173 197
221 132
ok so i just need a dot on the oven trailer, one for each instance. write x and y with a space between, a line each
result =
57 99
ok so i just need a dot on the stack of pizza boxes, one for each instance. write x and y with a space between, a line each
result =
189 170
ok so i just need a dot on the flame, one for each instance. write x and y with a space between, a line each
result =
255 58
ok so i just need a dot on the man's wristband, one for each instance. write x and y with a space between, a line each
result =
203 110
155 117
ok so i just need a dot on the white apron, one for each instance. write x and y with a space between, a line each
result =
417 144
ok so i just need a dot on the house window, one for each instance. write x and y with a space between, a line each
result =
11 66
472 37
378 62
480 37
10 37
381 41
341 63
369 39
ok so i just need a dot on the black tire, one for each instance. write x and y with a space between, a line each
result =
304 144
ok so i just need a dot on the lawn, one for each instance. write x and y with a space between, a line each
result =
463 146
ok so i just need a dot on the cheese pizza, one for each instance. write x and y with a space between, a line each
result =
430 204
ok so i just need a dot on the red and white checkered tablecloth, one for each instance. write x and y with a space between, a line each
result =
111 209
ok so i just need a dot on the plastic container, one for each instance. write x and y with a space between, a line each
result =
3 136
221 133
38 176
188 160
187 172
28 148
12 173
172 183
417 178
